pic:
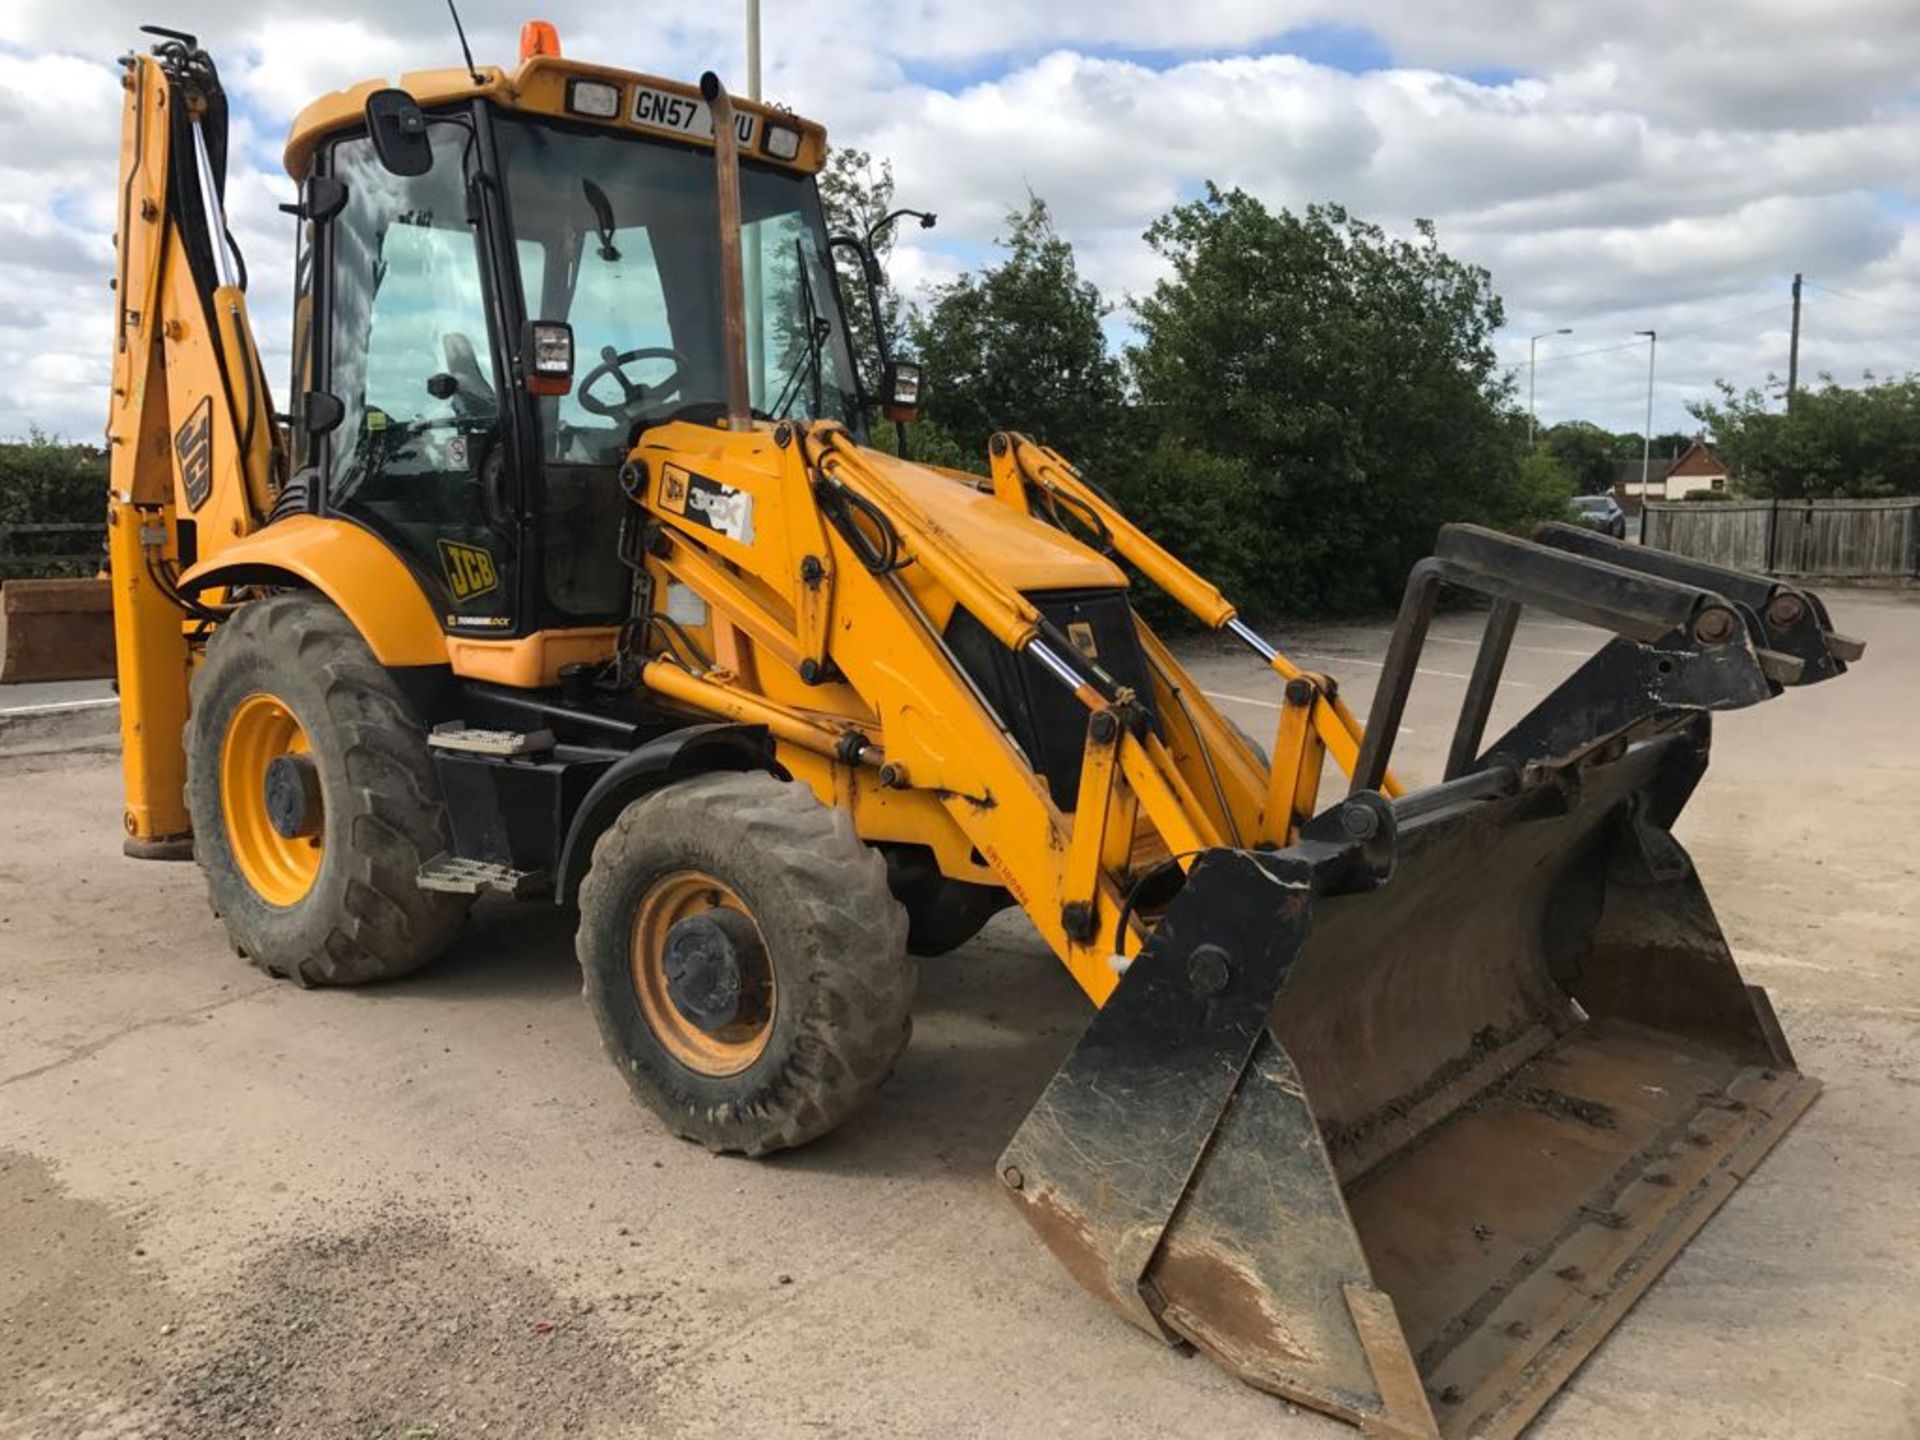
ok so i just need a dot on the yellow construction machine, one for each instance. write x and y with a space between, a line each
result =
569 573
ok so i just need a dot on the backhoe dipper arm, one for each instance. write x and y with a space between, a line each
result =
191 431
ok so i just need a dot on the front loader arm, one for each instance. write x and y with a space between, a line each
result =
1315 720
847 554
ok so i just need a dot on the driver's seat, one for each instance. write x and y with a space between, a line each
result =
472 395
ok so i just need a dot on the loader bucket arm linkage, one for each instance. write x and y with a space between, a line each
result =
1397 1104
1397 1121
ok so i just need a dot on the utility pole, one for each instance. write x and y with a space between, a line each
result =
1646 442
753 49
1563 330
1793 346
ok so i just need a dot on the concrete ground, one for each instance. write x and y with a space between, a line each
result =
229 1207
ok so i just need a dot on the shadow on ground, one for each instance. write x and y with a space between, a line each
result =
992 1022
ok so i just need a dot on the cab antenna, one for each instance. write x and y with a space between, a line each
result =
465 49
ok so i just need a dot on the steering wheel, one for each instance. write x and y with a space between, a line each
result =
634 396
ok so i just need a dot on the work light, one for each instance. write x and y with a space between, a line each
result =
900 390
548 356
782 142
594 99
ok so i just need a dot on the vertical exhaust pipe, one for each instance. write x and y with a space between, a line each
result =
733 303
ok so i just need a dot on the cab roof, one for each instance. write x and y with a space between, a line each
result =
543 85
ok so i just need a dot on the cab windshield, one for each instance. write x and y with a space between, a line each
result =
616 236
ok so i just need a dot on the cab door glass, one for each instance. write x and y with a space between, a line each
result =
421 453
794 350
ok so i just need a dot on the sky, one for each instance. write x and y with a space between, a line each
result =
1618 167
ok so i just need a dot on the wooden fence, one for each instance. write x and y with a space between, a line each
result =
51 551
1856 539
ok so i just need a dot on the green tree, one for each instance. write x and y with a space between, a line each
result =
856 192
1836 443
1019 346
1585 452
46 481
1350 375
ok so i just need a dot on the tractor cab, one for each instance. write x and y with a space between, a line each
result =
489 324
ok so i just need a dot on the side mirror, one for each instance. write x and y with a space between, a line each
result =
321 198
320 412
398 129
900 390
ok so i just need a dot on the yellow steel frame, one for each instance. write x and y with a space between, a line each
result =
891 727
839 656
169 409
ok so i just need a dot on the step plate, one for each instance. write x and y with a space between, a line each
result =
455 876
455 736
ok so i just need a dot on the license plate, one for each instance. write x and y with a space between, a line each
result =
683 115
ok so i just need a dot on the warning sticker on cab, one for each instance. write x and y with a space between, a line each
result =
470 570
707 502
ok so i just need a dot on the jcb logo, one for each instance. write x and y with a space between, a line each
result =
193 444
470 570
673 490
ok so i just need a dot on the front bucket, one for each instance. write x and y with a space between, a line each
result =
1406 1154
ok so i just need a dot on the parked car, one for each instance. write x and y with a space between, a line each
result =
1600 512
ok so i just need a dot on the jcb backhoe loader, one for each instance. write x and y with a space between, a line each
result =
1392 1104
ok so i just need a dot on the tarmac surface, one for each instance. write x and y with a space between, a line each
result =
431 1209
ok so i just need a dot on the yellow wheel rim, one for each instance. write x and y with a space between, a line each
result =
671 899
280 870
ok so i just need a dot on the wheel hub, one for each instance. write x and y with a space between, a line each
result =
713 960
270 800
293 796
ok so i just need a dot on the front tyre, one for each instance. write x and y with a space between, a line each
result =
745 960
313 799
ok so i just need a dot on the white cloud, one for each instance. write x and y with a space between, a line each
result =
1650 165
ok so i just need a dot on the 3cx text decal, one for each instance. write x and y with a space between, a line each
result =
707 502
470 570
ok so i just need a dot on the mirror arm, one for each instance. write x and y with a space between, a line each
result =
873 275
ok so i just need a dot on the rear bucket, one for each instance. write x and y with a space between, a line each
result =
1406 1153
55 630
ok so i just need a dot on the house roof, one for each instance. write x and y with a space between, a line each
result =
1627 472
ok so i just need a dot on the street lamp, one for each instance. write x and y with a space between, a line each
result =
1646 442
1531 344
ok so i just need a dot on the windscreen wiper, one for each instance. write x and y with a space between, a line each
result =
818 329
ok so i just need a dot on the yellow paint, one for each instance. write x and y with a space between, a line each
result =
177 449
537 86
532 660
788 626
281 871
353 569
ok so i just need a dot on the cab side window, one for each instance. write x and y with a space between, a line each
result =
422 443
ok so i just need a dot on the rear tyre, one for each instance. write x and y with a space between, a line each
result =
1260 750
745 960
313 799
